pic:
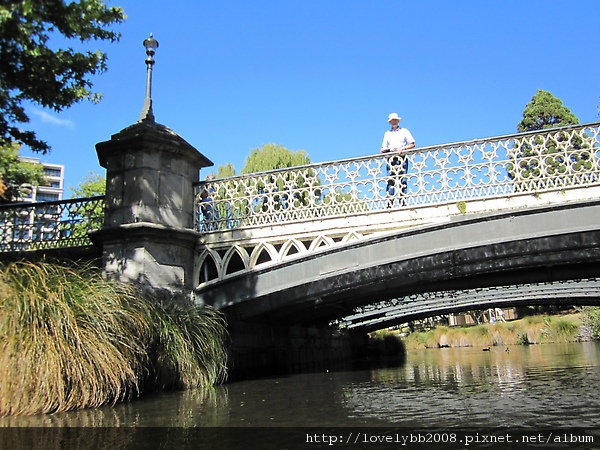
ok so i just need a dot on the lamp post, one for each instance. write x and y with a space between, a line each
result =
151 45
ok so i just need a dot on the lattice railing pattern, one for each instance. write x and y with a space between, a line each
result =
49 225
533 162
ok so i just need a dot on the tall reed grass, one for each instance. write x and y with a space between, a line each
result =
530 330
70 339
187 349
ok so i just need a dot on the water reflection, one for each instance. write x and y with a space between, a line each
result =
532 386
178 409
550 385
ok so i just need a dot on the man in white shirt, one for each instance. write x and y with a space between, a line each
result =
396 140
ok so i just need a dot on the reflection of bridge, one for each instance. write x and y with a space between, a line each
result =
317 243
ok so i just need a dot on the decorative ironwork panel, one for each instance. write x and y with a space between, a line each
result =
49 225
533 163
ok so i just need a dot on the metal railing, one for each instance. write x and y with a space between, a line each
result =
49 225
533 162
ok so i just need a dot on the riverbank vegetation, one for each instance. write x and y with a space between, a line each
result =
536 329
591 320
70 339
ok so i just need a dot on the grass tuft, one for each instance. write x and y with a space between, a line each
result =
70 339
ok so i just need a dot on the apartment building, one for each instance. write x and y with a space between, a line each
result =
55 174
20 228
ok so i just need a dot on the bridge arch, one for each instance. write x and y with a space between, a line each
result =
321 242
236 259
263 253
428 304
290 248
208 267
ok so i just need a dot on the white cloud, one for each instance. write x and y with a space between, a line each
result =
53 120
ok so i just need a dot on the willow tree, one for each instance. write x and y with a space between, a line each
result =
547 161
301 187
35 69
274 156
288 186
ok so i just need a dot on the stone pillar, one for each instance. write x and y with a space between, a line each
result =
148 237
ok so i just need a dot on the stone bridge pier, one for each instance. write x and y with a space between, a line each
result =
149 240
148 237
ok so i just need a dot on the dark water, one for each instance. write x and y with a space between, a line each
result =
540 387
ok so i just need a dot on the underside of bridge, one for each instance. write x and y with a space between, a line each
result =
500 250
453 271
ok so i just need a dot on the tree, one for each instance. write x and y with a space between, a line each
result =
274 156
33 71
91 214
15 174
538 161
91 186
225 171
545 111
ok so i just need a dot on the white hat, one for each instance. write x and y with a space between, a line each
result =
393 116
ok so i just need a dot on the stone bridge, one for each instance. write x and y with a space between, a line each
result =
356 243
329 242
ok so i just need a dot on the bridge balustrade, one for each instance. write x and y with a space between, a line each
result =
524 164
49 225
537 162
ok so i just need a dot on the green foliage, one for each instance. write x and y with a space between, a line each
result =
523 339
32 70
591 318
225 171
268 157
91 186
92 214
547 159
545 111
529 330
14 173
273 156
69 339
187 338
383 344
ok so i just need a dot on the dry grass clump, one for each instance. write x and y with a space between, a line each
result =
530 330
70 339
560 329
187 338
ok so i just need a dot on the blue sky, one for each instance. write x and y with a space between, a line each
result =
323 75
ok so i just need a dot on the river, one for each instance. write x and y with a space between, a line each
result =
539 388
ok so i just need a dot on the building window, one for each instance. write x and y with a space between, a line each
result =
52 172
45 197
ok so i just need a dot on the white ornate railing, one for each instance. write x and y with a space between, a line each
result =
49 225
533 162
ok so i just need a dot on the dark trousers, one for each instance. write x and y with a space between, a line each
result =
397 168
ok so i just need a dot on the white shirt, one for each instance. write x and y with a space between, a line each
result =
397 139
